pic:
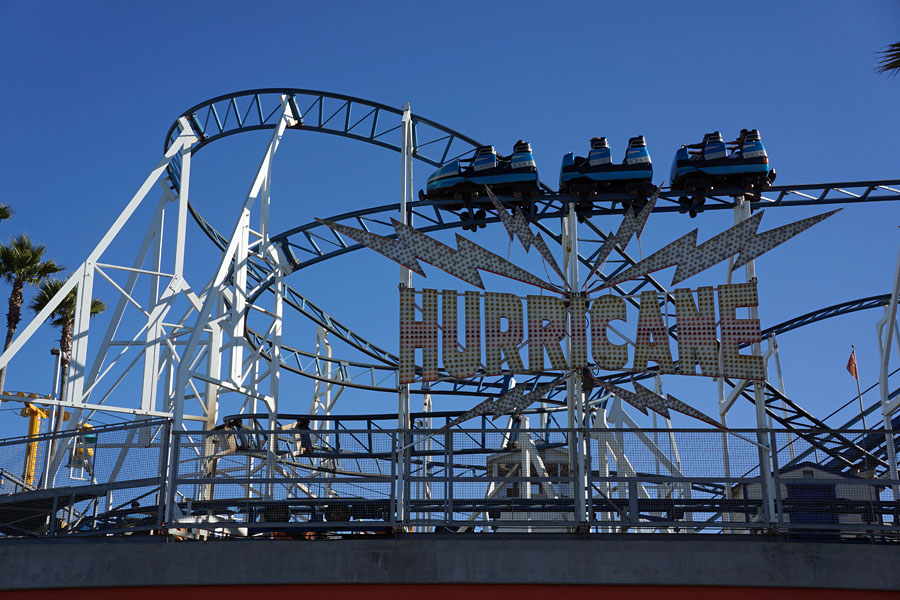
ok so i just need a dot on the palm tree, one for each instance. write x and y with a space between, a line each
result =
6 212
21 263
64 318
889 60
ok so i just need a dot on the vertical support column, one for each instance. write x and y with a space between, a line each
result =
720 380
328 425
403 423
154 344
424 491
274 364
773 344
78 359
213 369
239 303
886 328
275 372
762 425
57 414
181 227
525 473
149 386
574 392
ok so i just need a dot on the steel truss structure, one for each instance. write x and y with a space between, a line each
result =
177 350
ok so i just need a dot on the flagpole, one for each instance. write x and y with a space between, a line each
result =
862 411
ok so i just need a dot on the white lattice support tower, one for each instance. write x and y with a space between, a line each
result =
225 304
231 292
80 383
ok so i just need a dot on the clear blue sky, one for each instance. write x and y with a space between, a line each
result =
90 89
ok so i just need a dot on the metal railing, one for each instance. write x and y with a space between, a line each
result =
300 480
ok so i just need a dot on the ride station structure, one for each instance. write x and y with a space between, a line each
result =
566 424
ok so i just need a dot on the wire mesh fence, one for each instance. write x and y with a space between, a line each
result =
304 479
84 480
288 478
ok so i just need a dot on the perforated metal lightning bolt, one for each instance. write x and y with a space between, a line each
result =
741 239
632 224
642 399
517 226
464 262
512 402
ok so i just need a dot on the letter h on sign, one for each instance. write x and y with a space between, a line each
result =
418 334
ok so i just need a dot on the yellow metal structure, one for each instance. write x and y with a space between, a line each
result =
35 416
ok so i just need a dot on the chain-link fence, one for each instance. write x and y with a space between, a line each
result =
84 480
305 479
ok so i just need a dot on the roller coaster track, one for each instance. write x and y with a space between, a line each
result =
313 242
435 144
323 112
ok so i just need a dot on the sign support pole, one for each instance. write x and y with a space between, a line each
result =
762 421
887 407
403 423
574 392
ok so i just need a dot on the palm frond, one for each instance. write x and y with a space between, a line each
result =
65 312
22 259
889 60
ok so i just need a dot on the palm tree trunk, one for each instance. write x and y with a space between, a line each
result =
12 321
65 348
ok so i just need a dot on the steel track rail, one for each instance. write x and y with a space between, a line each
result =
313 242
322 112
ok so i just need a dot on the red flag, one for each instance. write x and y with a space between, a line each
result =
851 365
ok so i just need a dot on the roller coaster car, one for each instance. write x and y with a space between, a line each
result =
698 169
712 164
464 179
597 174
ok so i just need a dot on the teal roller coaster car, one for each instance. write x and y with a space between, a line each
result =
464 179
584 177
713 164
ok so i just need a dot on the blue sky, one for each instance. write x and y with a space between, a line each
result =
91 89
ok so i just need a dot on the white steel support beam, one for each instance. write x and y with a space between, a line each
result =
78 360
886 328
403 422
239 302
213 370
149 387
773 352
574 392
765 451
274 363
